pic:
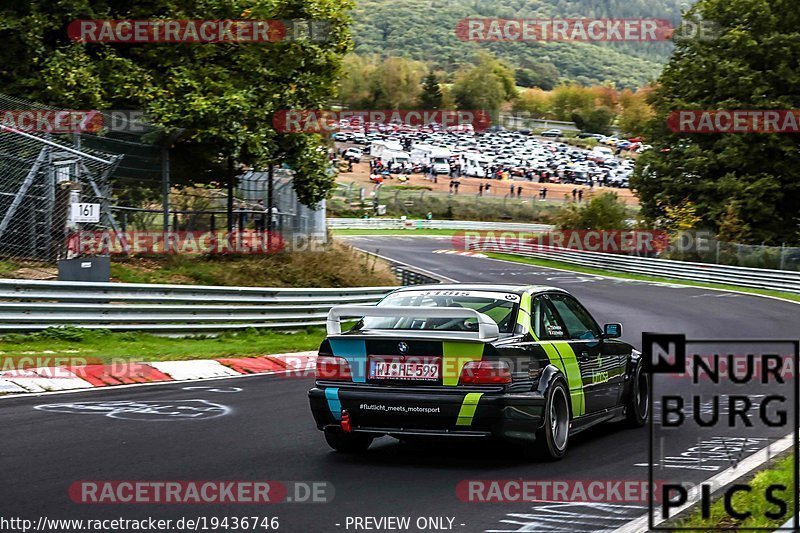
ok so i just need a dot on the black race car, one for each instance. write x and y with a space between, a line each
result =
525 364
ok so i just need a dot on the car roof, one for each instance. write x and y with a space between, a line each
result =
489 287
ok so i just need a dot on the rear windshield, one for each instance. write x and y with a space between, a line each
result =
499 306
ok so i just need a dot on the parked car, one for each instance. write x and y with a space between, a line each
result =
551 133
352 154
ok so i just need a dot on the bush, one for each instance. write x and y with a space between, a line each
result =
603 212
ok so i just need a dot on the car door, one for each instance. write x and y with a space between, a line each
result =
552 336
600 368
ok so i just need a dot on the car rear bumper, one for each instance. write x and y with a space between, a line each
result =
458 413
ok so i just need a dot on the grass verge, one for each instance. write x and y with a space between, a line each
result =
547 263
338 266
780 473
103 346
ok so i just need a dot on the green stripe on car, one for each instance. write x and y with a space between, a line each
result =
468 408
455 355
570 369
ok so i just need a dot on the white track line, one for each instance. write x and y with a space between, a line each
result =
717 482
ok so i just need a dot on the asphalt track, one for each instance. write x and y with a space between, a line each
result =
265 432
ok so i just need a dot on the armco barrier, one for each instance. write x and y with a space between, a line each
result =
397 223
27 305
781 280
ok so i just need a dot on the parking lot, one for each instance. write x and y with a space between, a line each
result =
493 155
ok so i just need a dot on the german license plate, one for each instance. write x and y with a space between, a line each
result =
404 370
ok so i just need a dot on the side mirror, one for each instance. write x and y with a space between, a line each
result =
612 331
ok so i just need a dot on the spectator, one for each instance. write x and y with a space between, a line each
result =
259 216
574 194
512 189
455 186
488 186
519 191
429 216
580 195
544 193
480 189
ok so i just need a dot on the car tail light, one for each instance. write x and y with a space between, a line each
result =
485 373
333 368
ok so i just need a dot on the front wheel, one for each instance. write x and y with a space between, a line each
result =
637 405
347 442
553 437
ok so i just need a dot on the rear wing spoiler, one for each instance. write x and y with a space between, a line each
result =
487 328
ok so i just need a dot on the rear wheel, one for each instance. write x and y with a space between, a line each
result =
637 406
347 442
553 437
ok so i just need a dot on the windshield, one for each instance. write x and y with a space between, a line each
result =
499 306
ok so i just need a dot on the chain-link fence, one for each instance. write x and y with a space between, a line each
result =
202 209
69 189
48 189
710 250
290 218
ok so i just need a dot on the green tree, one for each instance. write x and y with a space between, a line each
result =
597 120
397 83
635 112
484 86
542 75
381 83
431 97
356 88
747 181
603 212
534 101
222 97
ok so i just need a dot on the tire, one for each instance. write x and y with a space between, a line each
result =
637 406
553 438
347 442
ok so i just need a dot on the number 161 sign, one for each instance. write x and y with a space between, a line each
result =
81 212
